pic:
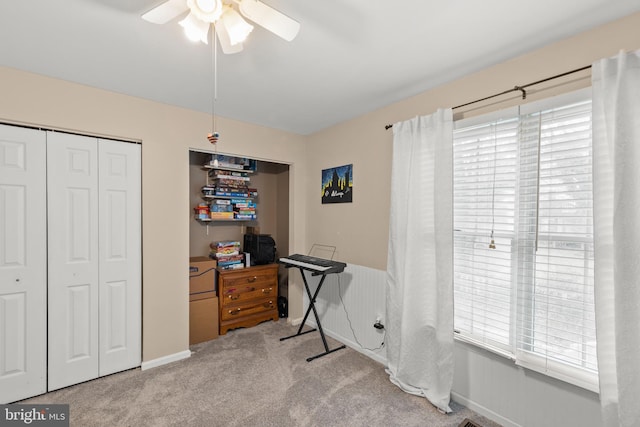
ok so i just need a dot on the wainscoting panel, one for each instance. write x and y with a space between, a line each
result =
348 305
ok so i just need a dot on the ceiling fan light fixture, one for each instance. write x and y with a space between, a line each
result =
229 24
195 29
206 10
237 28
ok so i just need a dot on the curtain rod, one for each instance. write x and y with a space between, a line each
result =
516 89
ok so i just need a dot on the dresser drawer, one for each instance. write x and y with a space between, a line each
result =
247 293
238 311
243 282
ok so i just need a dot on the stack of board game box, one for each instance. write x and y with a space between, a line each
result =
227 254
232 197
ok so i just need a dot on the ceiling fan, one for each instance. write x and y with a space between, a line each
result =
230 27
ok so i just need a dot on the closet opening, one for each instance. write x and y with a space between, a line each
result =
266 212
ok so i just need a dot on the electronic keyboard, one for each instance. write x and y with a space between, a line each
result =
317 266
313 264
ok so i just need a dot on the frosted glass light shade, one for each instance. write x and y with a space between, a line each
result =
237 28
223 38
195 29
207 5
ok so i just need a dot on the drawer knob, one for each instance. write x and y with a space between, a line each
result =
234 297
267 290
252 279
234 311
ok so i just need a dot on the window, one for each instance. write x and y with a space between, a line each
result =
523 236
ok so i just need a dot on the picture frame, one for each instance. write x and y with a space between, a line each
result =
337 184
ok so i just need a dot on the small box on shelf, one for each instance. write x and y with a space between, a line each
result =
221 206
202 211
221 215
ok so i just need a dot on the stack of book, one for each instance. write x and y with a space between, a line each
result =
227 254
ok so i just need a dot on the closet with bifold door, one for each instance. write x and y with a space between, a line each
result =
70 259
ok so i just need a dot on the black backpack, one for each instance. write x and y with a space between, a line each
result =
261 248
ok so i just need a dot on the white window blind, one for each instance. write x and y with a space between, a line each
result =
532 296
556 332
485 164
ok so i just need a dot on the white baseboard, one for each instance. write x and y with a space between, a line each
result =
165 359
505 422
294 322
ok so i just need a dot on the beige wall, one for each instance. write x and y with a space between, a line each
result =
360 229
167 133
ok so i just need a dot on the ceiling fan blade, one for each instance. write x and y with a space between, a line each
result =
225 41
166 11
269 18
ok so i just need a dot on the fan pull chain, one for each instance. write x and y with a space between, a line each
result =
214 136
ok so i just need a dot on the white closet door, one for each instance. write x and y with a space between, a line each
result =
120 256
72 195
23 306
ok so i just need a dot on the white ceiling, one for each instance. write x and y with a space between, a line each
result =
350 57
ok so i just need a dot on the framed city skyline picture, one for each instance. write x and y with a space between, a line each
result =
337 184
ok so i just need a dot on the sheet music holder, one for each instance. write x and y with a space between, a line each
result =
317 266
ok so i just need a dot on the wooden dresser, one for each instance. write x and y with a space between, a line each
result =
247 296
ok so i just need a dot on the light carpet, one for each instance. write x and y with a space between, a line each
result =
248 377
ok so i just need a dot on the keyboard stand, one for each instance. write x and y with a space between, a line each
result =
312 300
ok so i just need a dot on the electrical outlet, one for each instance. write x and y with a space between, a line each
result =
378 324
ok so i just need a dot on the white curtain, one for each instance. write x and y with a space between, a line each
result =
420 260
616 176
